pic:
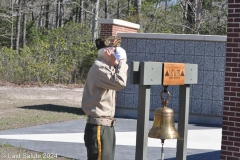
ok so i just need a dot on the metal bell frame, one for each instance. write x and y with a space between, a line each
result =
146 74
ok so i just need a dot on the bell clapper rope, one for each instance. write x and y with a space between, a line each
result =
164 102
162 151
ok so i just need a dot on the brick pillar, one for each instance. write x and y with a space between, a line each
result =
110 27
230 149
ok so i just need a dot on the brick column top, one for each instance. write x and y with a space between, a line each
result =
119 22
110 27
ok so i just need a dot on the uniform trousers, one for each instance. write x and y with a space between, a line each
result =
100 142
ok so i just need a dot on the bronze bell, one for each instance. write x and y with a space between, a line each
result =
163 125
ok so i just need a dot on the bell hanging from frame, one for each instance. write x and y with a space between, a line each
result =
163 124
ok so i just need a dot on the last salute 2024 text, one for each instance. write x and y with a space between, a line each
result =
31 156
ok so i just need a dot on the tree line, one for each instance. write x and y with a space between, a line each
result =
66 30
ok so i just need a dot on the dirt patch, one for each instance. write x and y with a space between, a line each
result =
58 94
27 106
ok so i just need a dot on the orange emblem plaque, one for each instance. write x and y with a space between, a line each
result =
174 74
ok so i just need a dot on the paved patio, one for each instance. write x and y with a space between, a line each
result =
66 139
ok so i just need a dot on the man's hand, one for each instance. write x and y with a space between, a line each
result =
120 54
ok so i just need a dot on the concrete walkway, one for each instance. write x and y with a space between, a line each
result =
66 139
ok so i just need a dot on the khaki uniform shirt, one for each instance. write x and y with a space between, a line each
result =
100 88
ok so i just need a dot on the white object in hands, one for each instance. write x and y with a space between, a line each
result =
120 54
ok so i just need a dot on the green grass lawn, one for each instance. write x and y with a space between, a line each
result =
18 112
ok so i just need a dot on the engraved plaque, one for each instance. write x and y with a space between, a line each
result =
173 74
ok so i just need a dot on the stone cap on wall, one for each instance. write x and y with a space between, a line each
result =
174 36
119 22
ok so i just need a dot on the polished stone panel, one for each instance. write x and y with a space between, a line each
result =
199 48
159 57
141 45
180 58
160 46
189 48
191 92
219 78
156 89
189 58
169 47
135 100
210 48
139 57
129 100
196 106
152 89
124 43
150 46
190 105
175 91
220 49
155 102
217 108
209 63
206 107
207 92
175 104
150 56
120 99
218 93
200 77
136 88
219 64
200 60
208 78
206 97
132 45
169 58
129 88
197 91
179 47
130 56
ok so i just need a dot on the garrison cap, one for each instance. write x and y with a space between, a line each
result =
107 42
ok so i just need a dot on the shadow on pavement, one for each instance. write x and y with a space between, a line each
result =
215 155
206 125
56 108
